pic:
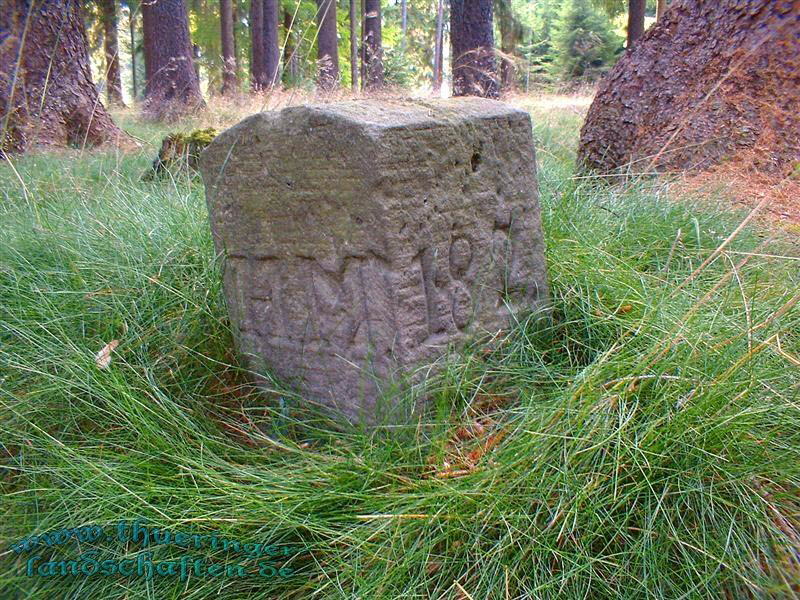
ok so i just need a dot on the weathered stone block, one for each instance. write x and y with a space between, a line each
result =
362 238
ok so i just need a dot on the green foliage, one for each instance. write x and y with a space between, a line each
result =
584 43
399 68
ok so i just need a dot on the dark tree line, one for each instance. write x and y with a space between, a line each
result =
71 108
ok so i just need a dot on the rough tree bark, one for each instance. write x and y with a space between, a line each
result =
47 96
171 87
636 10
327 45
692 94
111 51
353 47
472 43
373 44
230 83
272 53
438 48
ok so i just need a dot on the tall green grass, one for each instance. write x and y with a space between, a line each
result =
651 443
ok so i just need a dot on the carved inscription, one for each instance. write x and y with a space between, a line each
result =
296 304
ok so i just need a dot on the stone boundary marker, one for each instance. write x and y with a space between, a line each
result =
361 239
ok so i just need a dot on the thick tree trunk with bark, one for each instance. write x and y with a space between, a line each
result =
47 96
272 53
711 80
636 10
327 45
111 51
230 83
373 44
171 87
438 48
472 43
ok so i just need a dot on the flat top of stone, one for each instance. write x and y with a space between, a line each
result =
411 112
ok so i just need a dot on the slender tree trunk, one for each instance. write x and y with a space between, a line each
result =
661 6
196 52
132 29
47 96
472 43
508 43
438 47
258 71
353 47
372 42
327 45
363 48
230 83
272 53
236 26
404 20
171 85
111 51
289 50
636 10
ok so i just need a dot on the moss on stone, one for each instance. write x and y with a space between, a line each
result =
180 151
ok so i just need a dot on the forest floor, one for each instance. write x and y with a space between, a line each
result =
644 443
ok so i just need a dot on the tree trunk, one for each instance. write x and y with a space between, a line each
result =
171 85
289 50
472 43
661 6
230 82
111 51
47 96
272 53
363 49
353 47
691 95
258 68
508 44
236 26
403 20
372 43
438 48
132 28
327 45
636 10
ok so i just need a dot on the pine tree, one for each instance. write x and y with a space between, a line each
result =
583 42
